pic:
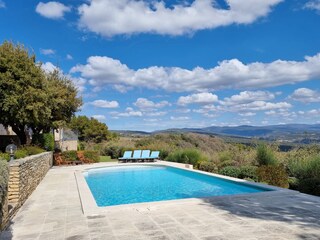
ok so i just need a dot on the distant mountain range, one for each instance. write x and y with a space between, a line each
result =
285 132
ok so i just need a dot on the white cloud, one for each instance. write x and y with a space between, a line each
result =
103 72
79 83
69 57
109 17
247 114
2 4
48 67
200 98
305 95
147 105
52 10
248 96
259 106
179 118
129 112
313 5
47 51
99 117
155 114
105 104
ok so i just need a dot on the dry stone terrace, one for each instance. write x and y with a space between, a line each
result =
54 211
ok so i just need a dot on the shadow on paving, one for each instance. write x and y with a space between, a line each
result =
299 210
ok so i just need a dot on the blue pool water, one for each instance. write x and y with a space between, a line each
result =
136 184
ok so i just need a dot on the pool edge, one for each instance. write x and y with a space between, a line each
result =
90 207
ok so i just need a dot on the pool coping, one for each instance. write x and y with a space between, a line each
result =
90 207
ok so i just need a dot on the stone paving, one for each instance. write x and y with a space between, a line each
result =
54 211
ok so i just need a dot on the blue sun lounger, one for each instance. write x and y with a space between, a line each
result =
154 156
145 155
126 156
136 155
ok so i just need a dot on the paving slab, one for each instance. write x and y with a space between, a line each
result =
54 211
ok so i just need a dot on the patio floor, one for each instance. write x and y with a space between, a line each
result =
54 211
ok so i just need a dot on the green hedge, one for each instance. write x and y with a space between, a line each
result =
45 140
208 166
265 156
230 171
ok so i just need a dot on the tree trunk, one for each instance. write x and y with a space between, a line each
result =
19 130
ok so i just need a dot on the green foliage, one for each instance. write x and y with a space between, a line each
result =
32 150
230 171
273 175
248 172
309 186
44 140
208 166
113 151
265 156
90 129
29 96
225 156
69 155
307 173
227 163
4 178
5 156
190 156
20 153
91 155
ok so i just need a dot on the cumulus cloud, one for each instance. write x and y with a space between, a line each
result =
248 96
179 118
247 114
47 51
104 71
199 98
52 10
305 95
129 112
2 4
48 67
99 117
105 104
147 105
109 17
313 5
69 57
79 82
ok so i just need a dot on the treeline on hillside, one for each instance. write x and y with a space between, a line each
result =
297 169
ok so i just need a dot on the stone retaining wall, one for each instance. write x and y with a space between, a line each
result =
25 175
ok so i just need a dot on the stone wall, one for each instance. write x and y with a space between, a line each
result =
25 175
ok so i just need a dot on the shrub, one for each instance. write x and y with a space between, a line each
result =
20 153
248 172
5 156
45 140
265 156
4 177
230 171
32 150
227 163
310 186
69 155
225 156
208 166
93 156
190 156
273 175
113 151
307 168
307 173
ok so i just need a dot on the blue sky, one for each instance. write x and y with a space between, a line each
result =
150 65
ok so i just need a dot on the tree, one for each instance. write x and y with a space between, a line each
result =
90 129
29 97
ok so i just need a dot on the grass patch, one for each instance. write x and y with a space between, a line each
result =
107 159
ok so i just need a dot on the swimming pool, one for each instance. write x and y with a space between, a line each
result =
136 184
